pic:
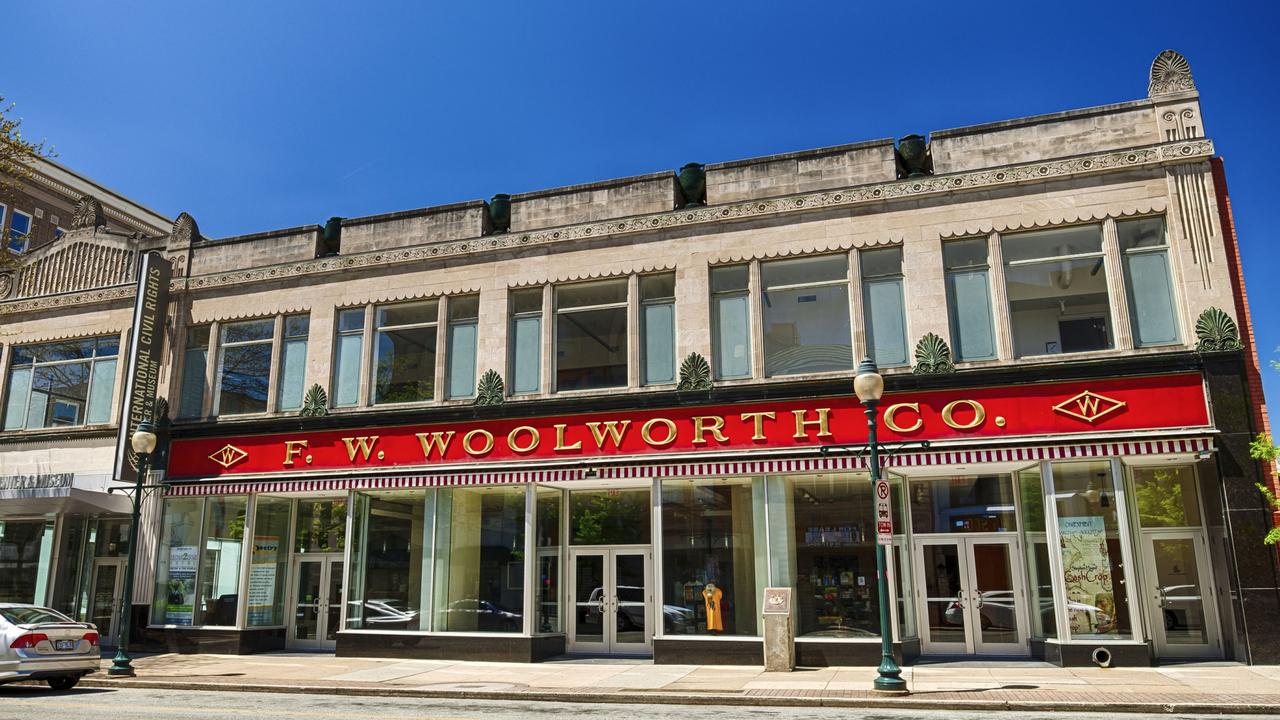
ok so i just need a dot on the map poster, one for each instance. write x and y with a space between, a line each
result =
1086 569
181 588
262 580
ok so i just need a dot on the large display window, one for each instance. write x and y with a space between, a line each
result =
479 579
712 566
268 561
1093 552
26 554
550 549
387 561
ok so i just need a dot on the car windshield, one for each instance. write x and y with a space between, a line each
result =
32 615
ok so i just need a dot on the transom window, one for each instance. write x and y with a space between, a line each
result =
61 384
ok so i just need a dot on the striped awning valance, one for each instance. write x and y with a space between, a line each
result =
694 468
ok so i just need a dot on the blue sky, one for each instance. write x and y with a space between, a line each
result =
253 116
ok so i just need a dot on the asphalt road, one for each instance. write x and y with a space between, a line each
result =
26 702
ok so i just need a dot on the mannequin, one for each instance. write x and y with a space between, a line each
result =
711 595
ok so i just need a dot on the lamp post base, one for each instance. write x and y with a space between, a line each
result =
121 666
889 681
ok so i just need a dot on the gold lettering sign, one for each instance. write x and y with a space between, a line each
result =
534 439
802 424
488 442
979 414
890 421
613 429
757 418
646 432
292 449
560 445
363 444
438 441
702 424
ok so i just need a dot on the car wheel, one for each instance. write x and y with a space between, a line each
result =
63 683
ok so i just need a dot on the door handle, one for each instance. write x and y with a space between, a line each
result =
977 598
960 598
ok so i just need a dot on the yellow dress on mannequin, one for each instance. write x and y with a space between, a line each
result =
711 596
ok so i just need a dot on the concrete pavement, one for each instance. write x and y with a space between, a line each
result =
1191 688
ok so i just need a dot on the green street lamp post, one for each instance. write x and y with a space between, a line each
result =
144 443
869 387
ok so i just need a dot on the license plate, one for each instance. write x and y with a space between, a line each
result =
64 644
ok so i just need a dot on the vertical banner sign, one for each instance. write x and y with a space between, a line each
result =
884 516
142 369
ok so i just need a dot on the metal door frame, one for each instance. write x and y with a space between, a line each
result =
109 639
1152 598
326 561
972 644
609 601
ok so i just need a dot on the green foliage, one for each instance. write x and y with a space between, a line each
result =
1272 537
17 156
602 518
1160 501
1263 448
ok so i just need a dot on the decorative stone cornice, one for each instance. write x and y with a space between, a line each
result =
910 189
603 274
1061 217
807 247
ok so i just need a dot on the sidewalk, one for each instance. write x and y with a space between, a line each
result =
1204 687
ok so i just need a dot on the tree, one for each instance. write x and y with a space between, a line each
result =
17 159
1264 448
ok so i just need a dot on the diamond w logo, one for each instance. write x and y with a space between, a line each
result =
228 455
1088 406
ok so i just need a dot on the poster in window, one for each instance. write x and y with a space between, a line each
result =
1086 569
181 588
262 580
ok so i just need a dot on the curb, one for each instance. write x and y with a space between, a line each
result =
669 698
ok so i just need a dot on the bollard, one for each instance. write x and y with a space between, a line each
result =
779 636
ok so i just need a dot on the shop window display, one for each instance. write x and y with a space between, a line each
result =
479 560
176 561
824 545
549 547
1044 622
1093 567
219 578
385 592
268 561
26 549
709 559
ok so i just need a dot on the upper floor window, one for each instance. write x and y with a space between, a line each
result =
658 328
1056 283
525 340
404 352
1144 246
61 384
416 347
806 315
969 298
731 321
883 310
244 367
591 335
19 232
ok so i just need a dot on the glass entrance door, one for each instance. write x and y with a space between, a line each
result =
611 601
973 601
104 598
1179 599
316 602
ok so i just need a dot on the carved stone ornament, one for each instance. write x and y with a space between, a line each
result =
1170 73
315 403
6 285
185 231
695 373
490 390
88 214
1217 332
933 356
160 412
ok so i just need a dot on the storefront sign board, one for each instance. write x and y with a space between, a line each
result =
1035 410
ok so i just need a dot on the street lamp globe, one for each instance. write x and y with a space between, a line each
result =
144 438
868 385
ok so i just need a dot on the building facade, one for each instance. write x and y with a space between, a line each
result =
63 538
603 418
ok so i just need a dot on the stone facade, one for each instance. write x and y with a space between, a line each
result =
1096 166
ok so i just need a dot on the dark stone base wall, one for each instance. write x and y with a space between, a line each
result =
1081 655
843 654
668 651
203 640
497 648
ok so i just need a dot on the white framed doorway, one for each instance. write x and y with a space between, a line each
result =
1179 595
611 591
315 601
972 600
